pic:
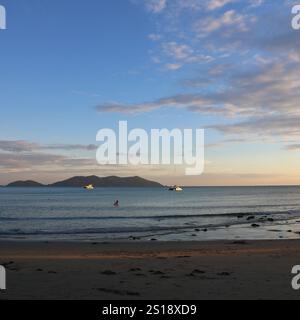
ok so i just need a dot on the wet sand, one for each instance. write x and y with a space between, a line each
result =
150 270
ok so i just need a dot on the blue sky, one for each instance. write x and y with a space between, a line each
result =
70 68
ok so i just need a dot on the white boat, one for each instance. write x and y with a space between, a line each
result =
176 188
89 187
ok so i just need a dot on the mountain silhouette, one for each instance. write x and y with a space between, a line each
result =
97 182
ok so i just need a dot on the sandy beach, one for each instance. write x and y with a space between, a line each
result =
152 270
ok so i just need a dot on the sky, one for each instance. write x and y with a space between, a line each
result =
70 68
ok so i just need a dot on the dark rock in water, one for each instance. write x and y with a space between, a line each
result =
250 218
290 231
255 225
204 230
197 230
153 239
270 219
240 216
134 238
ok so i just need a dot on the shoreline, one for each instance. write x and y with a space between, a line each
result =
150 270
254 230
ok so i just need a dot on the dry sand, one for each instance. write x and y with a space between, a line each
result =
153 270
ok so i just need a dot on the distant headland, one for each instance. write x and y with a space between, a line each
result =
97 182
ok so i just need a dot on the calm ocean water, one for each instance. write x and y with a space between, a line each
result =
77 214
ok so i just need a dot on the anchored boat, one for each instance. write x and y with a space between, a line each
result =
89 187
175 188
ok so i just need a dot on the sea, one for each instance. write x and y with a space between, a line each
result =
146 214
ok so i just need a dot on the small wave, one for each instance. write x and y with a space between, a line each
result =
126 230
93 231
158 217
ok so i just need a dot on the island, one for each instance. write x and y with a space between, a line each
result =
97 182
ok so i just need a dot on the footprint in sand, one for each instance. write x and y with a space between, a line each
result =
118 292
166 277
240 242
157 273
109 273
196 271
10 266
140 275
224 274
135 270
